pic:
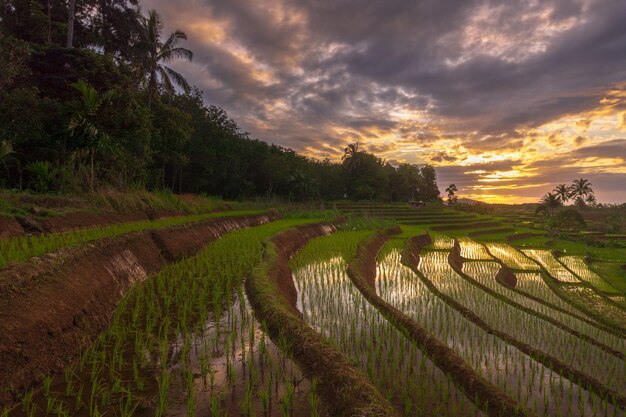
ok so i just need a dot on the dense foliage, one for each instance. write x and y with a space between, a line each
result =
97 107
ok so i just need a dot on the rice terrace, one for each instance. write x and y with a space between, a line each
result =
293 208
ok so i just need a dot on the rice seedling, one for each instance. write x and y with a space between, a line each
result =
393 362
511 257
526 327
533 283
442 242
507 367
590 299
21 248
473 250
578 267
549 262
192 309
484 273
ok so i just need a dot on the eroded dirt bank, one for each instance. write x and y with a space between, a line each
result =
52 307
346 390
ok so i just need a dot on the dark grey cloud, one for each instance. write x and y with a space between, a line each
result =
334 71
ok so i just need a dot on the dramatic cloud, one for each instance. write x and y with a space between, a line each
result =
506 98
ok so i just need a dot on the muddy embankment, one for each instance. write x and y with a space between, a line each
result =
557 365
346 390
38 224
362 271
54 306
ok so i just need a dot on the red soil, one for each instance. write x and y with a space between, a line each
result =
53 307
9 227
506 277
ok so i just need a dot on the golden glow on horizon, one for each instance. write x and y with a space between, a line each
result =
413 131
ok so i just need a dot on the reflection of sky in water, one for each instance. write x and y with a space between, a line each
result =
554 268
511 257
484 273
333 305
520 376
238 341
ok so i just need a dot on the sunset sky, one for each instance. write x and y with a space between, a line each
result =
506 98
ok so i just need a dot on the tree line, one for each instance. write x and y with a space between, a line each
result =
87 100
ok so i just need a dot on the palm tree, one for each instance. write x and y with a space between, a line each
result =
562 192
154 53
451 190
83 123
580 188
591 200
303 184
550 201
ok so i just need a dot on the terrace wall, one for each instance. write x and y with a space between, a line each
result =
53 307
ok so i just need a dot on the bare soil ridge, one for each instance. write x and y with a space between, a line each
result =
53 307
346 390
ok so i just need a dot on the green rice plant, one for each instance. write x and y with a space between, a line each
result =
511 257
577 266
344 317
549 262
32 410
191 309
21 248
313 399
522 374
163 383
27 400
473 250
47 381
484 273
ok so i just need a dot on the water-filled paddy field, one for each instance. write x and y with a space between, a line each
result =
273 320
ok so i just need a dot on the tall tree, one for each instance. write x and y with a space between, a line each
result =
71 13
562 192
428 189
84 124
155 53
580 188
550 201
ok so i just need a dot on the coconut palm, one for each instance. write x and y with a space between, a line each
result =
550 201
83 124
154 53
580 188
562 192
591 200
